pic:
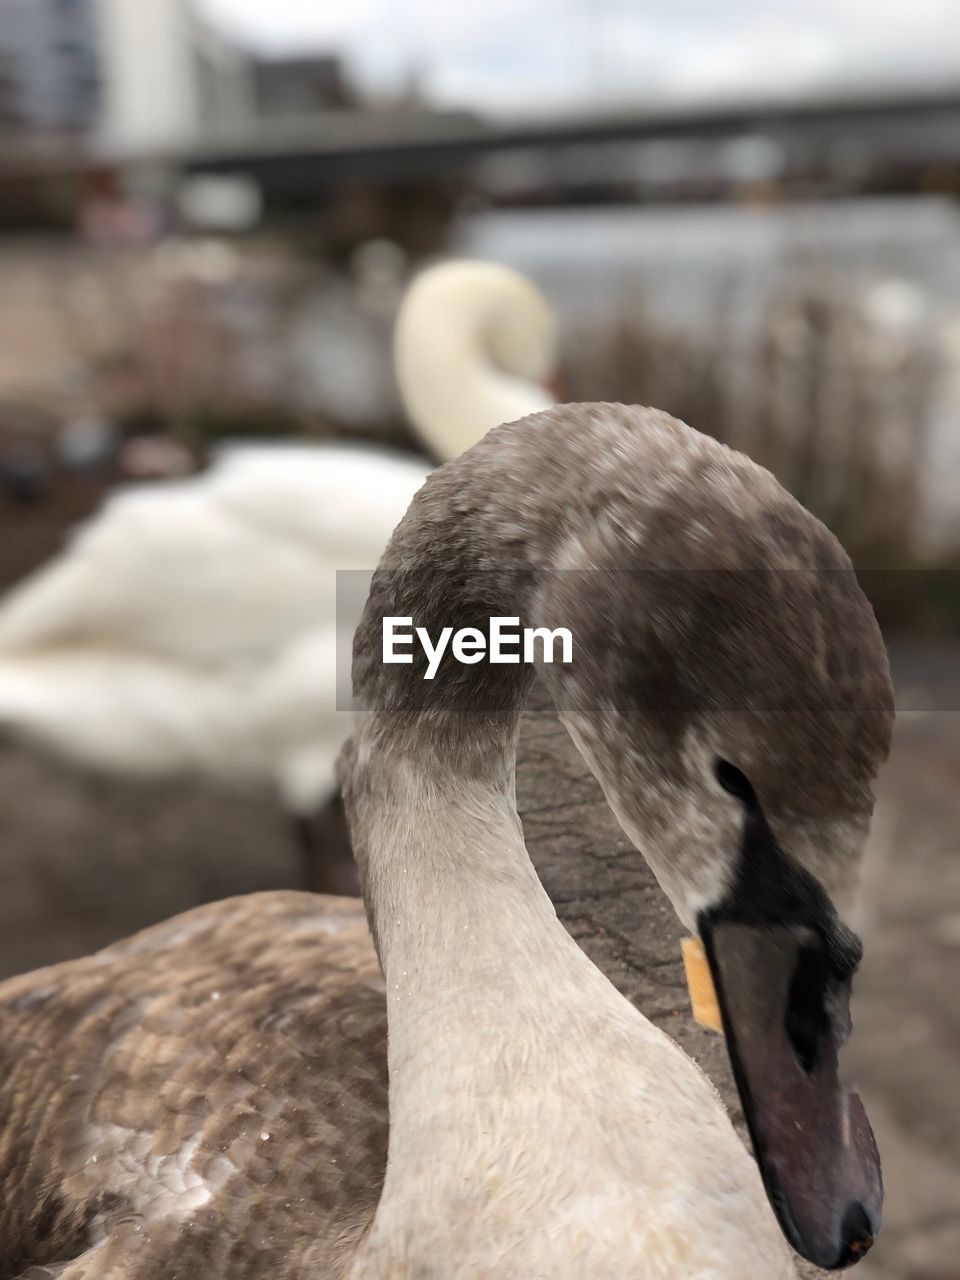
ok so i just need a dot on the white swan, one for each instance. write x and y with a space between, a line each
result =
210 1097
192 626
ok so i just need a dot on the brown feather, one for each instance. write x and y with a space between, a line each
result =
166 1059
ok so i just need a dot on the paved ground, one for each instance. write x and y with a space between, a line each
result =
906 1051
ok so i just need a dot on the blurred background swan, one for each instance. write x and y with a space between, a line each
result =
475 345
192 626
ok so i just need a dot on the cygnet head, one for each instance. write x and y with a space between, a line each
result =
732 692
729 688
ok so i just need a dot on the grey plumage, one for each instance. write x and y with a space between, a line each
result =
209 1097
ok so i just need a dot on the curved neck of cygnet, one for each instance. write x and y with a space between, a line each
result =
488 997
451 387
485 987
451 893
429 777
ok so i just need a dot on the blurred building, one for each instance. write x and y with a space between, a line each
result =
169 78
49 65
286 87
172 79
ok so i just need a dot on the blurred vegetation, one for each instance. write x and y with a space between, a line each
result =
194 342
834 400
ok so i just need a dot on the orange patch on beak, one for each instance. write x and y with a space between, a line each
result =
703 994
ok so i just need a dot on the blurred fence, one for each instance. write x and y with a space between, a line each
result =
165 331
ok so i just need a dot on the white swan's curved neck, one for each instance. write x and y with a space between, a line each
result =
453 391
472 342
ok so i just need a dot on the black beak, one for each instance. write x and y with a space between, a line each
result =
784 992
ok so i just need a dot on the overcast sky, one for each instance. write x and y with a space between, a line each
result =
538 55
